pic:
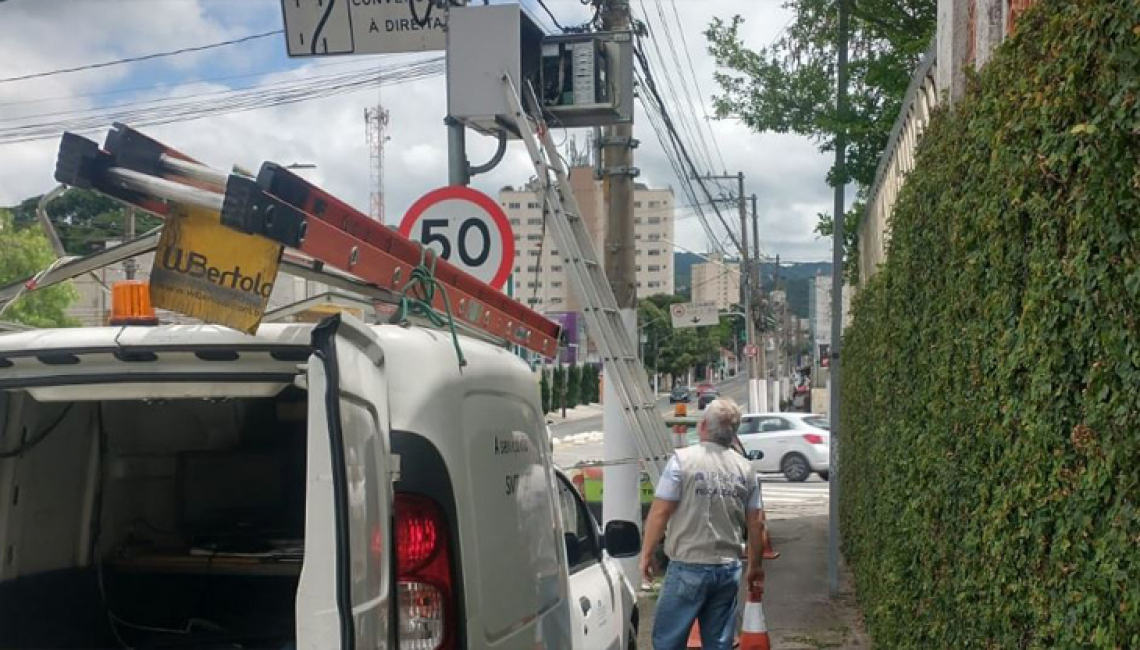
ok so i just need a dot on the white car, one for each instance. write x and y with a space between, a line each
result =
794 444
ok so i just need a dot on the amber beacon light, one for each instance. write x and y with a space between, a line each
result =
130 304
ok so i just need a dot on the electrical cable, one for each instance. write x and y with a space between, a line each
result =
416 14
166 111
145 57
671 148
542 3
31 443
659 104
687 120
697 83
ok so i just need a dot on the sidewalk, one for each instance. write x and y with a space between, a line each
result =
800 614
580 412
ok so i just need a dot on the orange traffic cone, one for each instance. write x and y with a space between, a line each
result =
754 635
694 642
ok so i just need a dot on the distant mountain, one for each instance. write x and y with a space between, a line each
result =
683 272
795 279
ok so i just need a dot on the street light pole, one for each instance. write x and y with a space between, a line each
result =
837 246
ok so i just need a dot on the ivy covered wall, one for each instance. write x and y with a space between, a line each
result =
991 412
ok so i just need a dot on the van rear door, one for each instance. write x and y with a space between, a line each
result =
345 595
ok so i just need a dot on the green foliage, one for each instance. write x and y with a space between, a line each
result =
590 384
26 252
85 220
557 388
789 86
573 386
991 483
674 351
544 388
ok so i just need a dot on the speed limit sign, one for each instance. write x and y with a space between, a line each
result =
464 227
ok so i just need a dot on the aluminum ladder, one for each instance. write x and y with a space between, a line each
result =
588 280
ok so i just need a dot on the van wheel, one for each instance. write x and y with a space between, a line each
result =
631 635
795 468
824 475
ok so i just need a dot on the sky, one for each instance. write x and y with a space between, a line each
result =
786 172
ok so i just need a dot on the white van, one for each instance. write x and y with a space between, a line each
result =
343 486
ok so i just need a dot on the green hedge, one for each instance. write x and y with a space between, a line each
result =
991 411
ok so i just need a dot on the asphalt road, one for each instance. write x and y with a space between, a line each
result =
735 387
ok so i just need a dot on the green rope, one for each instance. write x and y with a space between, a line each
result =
418 295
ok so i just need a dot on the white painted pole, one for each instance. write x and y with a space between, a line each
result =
621 496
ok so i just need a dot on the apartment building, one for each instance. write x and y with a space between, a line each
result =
540 278
716 281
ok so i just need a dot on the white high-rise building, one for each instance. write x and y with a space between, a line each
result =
539 275
716 281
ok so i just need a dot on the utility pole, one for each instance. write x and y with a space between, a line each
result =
777 339
758 300
837 244
621 498
130 265
756 400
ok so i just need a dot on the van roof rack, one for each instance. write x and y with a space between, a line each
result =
326 239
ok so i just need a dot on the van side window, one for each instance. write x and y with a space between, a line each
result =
582 548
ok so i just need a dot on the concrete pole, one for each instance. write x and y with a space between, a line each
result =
622 498
837 257
458 171
746 289
755 247
130 265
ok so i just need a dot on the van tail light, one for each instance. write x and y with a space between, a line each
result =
424 584
813 438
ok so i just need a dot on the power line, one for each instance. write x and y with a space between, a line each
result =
542 3
156 112
697 82
145 57
659 105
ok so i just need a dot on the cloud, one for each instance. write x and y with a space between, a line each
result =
786 172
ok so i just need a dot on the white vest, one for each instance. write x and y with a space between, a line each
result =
708 525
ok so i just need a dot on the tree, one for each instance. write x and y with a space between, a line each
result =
573 386
26 252
789 85
557 388
674 351
591 383
544 388
84 220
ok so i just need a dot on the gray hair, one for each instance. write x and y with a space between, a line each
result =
721 420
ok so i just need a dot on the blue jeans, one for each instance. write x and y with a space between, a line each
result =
705 593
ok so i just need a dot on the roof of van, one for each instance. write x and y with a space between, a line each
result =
48 359
160 336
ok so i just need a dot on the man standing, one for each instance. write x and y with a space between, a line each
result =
706 496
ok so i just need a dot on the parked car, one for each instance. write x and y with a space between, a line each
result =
705 398
794 444
681 395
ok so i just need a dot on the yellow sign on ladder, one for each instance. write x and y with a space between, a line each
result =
209 271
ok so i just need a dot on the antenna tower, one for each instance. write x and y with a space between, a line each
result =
376 131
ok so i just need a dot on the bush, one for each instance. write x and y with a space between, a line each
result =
544 388
590 385
557 388
990 474
573 386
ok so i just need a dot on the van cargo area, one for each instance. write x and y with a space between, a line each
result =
151 523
